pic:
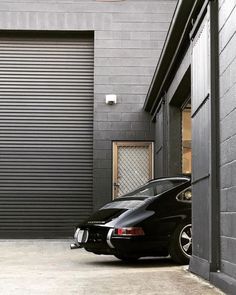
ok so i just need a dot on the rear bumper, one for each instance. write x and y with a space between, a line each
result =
102 241
128 246
139 246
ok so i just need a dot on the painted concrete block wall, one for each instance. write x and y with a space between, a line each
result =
129 36
227 46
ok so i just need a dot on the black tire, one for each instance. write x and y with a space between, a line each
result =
127 258
181 243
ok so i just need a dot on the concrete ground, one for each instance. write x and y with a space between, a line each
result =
50 267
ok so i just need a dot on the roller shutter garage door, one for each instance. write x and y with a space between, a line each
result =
46 134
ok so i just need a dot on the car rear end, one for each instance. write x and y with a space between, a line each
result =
105 230
112 240
128 225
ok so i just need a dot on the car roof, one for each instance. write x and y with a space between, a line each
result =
180 177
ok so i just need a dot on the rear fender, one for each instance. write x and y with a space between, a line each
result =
133 218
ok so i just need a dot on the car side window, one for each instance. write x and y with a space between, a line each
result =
185 196
165 186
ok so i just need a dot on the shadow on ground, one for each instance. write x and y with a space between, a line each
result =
141 263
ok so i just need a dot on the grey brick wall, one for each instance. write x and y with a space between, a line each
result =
129 36
227 45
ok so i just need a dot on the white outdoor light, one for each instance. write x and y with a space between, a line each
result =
111 99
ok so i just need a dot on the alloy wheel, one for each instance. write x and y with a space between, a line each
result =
185 240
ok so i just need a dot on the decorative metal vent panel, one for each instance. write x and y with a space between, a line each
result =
133 167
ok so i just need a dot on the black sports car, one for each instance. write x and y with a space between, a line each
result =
154 220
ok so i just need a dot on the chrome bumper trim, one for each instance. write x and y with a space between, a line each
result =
109 238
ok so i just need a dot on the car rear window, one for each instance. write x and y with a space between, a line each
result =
129 204
157 187
105 215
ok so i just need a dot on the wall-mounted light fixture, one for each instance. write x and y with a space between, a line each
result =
111 99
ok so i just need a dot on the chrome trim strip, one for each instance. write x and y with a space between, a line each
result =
76 233
85 236
76 236
109 238
170 178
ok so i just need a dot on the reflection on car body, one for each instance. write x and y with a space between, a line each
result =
153 220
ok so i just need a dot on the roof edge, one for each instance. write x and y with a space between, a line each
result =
180 26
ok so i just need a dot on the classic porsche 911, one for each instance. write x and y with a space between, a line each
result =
153 220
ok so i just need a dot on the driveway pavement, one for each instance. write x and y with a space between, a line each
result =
49 267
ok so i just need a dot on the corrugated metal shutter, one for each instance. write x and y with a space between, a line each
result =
46 134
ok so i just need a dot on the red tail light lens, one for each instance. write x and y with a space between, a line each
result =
129 231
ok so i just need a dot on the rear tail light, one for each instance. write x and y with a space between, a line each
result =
129 231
